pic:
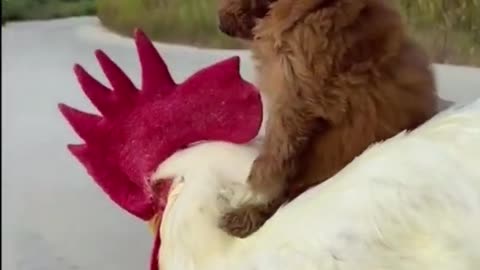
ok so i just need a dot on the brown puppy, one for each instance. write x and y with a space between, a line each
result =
339 75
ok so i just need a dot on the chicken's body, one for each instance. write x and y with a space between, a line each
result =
412 202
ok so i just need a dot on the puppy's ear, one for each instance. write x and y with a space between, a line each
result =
260 8
288 12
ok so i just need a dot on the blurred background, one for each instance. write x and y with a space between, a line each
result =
53 215
449 29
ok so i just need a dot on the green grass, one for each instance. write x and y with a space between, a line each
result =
448 29
17 10
179 21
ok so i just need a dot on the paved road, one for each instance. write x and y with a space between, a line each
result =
54 217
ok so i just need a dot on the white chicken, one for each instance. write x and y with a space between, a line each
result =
412 202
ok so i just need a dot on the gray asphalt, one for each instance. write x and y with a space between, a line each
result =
53 216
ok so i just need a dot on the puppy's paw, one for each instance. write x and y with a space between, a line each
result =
266 179
243 221
236 195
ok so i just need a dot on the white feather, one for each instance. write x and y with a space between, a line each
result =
412 202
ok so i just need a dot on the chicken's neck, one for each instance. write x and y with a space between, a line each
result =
191 238
198 245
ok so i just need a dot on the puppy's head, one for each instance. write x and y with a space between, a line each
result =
237 18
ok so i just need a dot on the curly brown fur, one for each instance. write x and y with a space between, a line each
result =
238 18
340 75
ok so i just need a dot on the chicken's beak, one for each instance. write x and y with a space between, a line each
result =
154 224
161 189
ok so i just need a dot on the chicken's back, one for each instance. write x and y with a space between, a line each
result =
412 202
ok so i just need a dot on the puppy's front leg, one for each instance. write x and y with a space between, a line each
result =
289 129
288 134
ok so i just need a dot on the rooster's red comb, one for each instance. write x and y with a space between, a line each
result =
141 128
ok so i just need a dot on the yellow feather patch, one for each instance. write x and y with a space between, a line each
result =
154 224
